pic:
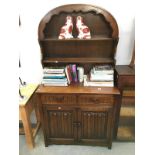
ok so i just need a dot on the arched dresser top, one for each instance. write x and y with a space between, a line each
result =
100 21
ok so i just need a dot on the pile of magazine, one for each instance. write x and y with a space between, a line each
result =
54 76
101 75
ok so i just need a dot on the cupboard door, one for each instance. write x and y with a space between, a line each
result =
59 124
95 125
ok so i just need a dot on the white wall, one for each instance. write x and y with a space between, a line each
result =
31 12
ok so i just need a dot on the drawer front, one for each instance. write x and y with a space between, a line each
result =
58 99
96 99
126 81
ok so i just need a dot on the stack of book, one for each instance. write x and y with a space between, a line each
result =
54 76
100 76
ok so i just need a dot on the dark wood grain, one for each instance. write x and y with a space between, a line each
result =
104 21
102 44
77 89
76 114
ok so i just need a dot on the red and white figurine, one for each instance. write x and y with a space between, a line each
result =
66 30
83 30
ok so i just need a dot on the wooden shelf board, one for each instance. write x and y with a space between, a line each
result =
96 37
78 60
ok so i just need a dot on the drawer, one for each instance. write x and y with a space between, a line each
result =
58 99
126 81
96 99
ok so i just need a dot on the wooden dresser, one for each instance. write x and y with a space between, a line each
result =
76 114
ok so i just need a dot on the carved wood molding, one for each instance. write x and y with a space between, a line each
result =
78 8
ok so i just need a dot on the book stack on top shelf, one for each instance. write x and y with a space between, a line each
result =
54 76
101 75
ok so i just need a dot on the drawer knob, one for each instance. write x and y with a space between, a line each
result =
59 108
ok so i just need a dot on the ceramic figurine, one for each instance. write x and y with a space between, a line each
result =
66 30
83 30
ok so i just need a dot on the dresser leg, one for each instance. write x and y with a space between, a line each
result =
109 147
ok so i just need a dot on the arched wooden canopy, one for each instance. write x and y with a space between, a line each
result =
99 49
100 21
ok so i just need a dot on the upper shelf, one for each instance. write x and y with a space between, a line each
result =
78 60
94 38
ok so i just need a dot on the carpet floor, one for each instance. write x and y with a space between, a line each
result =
118 148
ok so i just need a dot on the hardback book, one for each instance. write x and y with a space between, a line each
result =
54 74
55 80
74 73
55 84
53 77
88 82
68 73
80 71
103 69
49 70
101 76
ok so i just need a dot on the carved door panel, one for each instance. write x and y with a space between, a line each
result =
59 124
95 125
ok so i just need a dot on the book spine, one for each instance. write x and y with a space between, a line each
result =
53 77
49 84
74 70
80 71
68 74
71 73
55 74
